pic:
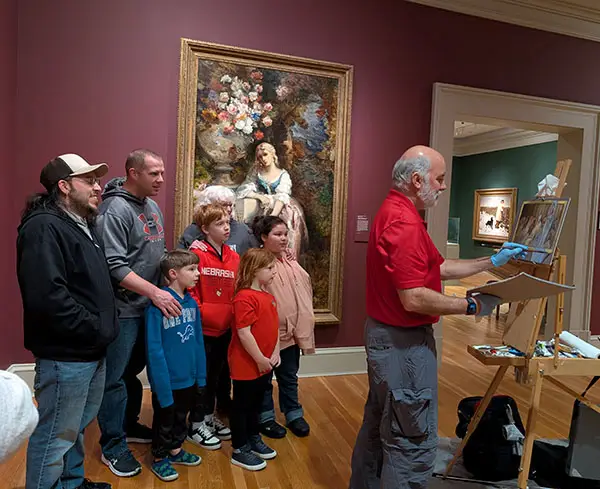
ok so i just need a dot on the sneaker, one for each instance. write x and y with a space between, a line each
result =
203 436
88 484
245 459
185 458
124 466
260 448
218 427
299 427
272 429
164 470
138 433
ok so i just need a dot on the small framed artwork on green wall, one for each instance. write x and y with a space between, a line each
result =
494 214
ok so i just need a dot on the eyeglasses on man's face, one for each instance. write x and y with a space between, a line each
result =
91 181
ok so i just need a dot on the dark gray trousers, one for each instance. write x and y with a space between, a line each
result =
396 444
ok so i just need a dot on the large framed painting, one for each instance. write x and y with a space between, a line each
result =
275 129
494 214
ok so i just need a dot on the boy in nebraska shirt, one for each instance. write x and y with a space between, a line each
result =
214 292
176 364
253 353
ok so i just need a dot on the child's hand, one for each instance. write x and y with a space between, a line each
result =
264 365
275 359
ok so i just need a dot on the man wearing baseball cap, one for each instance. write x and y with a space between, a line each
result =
69 317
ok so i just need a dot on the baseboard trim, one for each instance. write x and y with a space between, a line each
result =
325 362
24 370
334 361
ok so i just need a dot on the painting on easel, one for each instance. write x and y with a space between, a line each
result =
539 225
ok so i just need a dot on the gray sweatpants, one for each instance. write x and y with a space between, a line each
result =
396 444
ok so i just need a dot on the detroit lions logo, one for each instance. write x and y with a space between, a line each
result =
187 334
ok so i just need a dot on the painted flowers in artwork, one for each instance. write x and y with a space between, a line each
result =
237 105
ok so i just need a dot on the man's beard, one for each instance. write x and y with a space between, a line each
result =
80 205
428 196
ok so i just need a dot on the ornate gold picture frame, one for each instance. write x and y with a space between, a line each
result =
235 103
494 213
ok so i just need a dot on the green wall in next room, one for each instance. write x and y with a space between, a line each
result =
520 167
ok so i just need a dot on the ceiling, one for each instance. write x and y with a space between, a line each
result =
475 138
577 18
464 129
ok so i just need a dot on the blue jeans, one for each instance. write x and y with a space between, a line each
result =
287 380
69 396
112 416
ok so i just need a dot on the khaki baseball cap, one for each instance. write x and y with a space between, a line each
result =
69 165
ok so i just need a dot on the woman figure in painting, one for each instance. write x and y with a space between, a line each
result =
271 186
293 294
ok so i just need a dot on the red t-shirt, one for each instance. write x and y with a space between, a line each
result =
400 255
258 310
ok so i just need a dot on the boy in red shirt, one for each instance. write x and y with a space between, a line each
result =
214 294
253 353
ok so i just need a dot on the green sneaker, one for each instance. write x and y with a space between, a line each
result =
164 470
185 458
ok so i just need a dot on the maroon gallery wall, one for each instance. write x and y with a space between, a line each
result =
100 78
11 345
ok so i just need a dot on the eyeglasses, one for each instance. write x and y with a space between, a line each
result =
91 181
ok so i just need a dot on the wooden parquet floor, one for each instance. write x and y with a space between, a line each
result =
333 407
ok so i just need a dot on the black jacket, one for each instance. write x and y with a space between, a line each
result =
69 309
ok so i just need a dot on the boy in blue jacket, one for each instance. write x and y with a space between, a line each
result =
176 365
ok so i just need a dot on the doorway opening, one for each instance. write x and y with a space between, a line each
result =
571 128
495 168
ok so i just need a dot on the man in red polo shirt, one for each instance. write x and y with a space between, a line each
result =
397 442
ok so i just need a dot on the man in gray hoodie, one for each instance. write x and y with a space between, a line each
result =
131 226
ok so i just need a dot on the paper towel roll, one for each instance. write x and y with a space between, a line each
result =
587 350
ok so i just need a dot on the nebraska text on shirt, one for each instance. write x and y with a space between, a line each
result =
217 272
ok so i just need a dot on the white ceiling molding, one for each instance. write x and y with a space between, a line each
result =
504 138
577 18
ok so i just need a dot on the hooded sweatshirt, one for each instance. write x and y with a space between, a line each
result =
69 309
132 230
175 349
293 292
215 290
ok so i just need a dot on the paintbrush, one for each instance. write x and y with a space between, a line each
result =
528 249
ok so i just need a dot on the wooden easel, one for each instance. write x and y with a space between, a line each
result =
532 370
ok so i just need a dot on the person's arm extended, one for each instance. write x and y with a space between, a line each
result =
425 301
249 343
162 299
455 269
115 235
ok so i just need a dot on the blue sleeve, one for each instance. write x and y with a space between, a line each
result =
200 353
158 372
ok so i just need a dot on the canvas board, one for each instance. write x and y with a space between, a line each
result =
521 287
539 226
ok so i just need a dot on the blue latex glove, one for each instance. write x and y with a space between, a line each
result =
508 251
